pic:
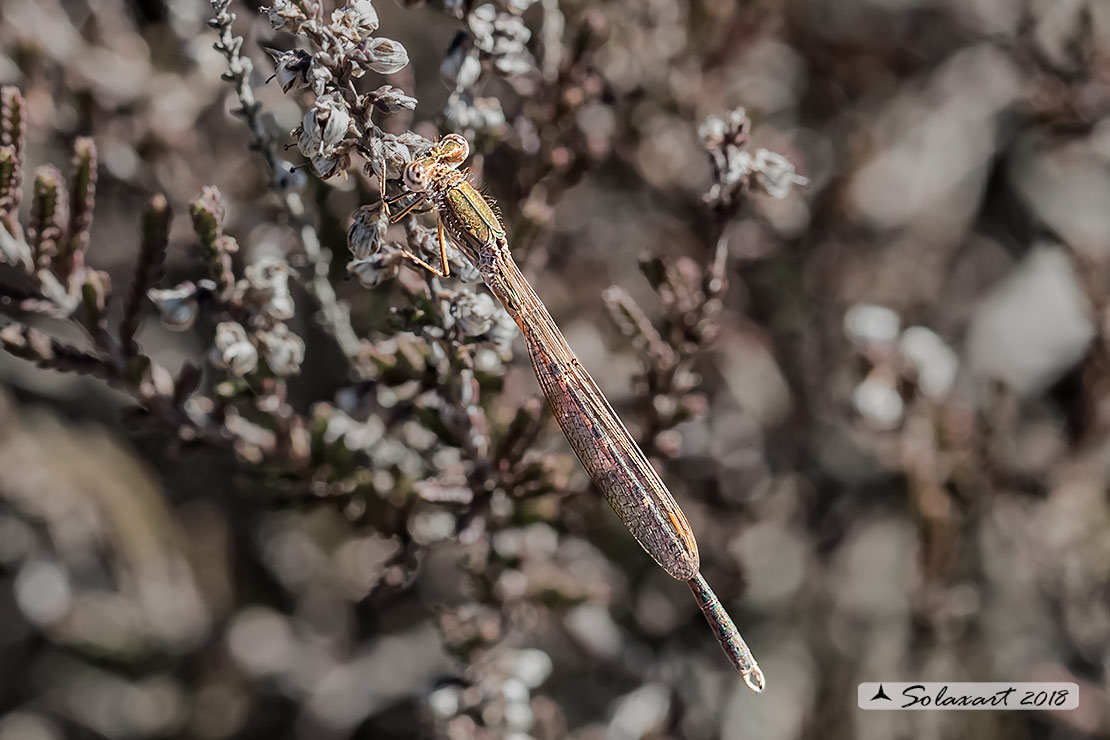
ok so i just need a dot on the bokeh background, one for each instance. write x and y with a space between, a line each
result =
889 426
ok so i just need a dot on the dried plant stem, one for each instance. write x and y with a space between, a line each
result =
238 73
334 315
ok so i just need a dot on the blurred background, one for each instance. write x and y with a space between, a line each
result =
883 400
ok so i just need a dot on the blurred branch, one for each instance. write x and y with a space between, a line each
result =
148 268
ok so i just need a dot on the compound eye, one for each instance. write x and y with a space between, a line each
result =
455 149
416 179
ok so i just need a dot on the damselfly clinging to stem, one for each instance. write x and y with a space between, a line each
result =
614 461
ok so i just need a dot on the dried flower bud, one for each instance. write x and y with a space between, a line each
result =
935 363
502 333
462 269
878 401
355 21
515 63
282 349
291 67
71 256
94 296
726 141
266 287
324 126
474 312
461 67
482 114
178 306
439 491
416 143
510 28
869 325
382 55
375 269
318 77
738 165
732 130
395 151
284 13
327 166
480 22
390 99
364 238
232 349
712 132
775 173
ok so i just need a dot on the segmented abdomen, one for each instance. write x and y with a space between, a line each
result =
614 461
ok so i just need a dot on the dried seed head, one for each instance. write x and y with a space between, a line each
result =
232 349
283 14
480 22
716 132
775 173
389 99
177 306
504 37
726 141
394 151
474 312
330 165
325 125
318 77
878 400
282 349
355 21
375 269
503 333
382 55
265 288
364 238
291 67
935 365
515 63
511 32
474 115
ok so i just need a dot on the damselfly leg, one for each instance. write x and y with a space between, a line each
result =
420 199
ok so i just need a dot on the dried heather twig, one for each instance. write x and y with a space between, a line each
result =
70 260
207 212
12 127
49 216
334 315
148 268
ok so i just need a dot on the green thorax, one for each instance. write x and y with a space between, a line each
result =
467 215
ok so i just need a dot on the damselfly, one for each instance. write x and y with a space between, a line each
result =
614 461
